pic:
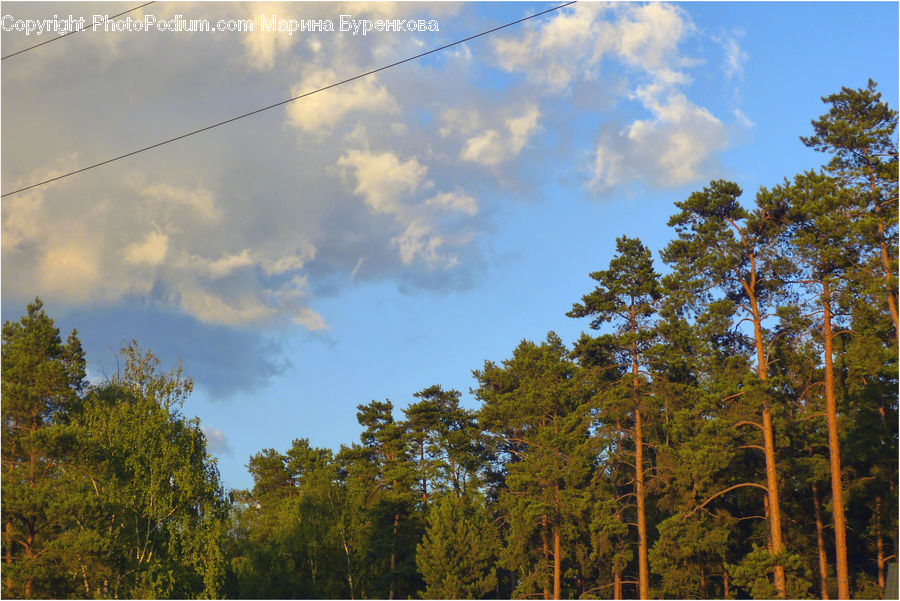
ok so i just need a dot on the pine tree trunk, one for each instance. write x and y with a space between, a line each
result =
820 540
394 554
879 543
726 592
557 565
422 470
9 558
557 557
547 594
837 492
643 567
768 444
617 584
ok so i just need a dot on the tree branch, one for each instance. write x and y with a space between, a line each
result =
720 493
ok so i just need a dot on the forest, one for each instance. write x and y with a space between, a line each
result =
726 428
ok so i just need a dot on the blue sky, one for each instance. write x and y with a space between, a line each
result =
394 233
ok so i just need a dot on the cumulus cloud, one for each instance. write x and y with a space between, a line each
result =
237 232
320 112
492 147
572 44
390 186
555 52
675 147
263 48
152 250
116 252
669 140
382 179
454 201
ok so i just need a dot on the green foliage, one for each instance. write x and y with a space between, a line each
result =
458 551
751 575
108 491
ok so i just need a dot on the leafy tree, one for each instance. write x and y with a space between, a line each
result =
386 472
163 509
108 491
287 543
444 442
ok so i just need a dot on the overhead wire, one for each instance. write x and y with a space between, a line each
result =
59 37
293 99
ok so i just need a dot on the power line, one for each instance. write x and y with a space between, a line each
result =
277 104
130 10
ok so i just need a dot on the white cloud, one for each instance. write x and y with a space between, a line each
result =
735 56
391 186
456 121
71 267
555 52
213 308
743 120
491 148
677 146
419 240
320 112
382 179
200 201
21 219
647 37
454 201
572 44
264 47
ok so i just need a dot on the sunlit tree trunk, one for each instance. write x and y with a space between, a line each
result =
768 440
834 452
820 541
643 567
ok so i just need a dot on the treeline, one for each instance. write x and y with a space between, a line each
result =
727 430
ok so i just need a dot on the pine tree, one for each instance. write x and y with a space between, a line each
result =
458 552
538 420
721 245
859 132
824 245
42 378
627 294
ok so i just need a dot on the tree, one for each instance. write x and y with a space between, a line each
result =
388 473
163 508
458 552
538 419
859 132
823 243
626 294
42 380
722 246
444 441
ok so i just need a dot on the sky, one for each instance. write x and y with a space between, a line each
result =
395 232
